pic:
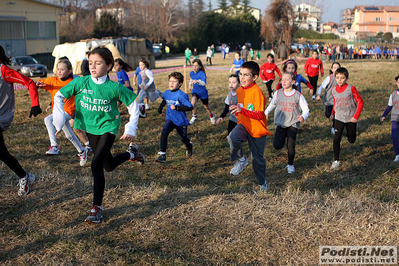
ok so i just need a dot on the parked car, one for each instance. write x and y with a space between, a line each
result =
157 51
28 66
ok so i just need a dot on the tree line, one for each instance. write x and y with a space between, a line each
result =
177 24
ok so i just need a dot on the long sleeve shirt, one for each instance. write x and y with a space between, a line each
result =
312 67
267 71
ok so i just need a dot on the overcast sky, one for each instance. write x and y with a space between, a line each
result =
332 10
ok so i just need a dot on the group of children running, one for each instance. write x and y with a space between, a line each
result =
90 104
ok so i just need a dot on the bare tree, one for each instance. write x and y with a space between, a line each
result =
279 22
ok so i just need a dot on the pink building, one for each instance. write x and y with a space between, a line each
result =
374 19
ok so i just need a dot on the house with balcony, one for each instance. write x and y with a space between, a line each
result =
308 17
374 19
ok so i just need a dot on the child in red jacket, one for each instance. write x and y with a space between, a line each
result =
312 68
267 73
9 76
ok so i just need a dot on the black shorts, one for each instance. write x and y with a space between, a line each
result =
204 101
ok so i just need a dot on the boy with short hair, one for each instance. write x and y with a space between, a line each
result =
251 126
177 104
346 111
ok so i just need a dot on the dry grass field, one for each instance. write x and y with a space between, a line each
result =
191 211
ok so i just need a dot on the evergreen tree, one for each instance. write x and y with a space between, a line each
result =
223 5
234 6
246 4
107 26
210 6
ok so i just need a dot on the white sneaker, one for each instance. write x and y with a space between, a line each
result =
270 99
335 165
395 161
333 131
239 166
24 184
290 169
213 120
314 97
83 157
264 187
193 119
53 150
147 106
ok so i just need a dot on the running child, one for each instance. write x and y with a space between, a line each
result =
327 84
53 85
393 104
98 115
237 63
199 91
312 67
121 67
177 103
231 99
347 108
147 86
9 76
291 66
251 126
267 73
258 55
288 103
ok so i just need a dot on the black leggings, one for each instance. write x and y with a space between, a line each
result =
269 87
10 160
313 81
181 132
339 128
103 159
288 133
328 112
231 126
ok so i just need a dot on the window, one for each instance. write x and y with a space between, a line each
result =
397 29
381 29
12 30
391 19
377 19
391 29
40 30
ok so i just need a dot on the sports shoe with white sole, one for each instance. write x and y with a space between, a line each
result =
264 187
147 106
192 120
335 165
189 152
24 184
83 157
239 166
161 158
53 150
96 215
213 120
138 156
290 169
395 160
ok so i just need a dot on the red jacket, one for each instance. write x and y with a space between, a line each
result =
312 67
267 71
11 76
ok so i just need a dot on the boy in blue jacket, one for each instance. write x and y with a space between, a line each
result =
177 104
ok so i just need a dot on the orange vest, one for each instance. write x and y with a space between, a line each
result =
253 99
54 84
